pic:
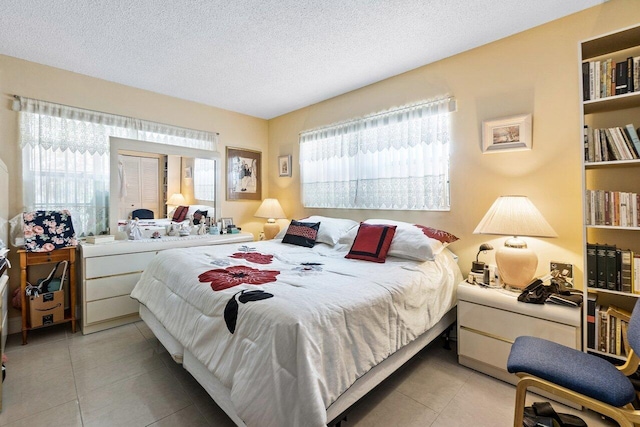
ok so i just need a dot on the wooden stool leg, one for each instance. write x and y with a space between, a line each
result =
521 394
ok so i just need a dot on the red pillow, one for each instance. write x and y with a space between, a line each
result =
180 213
443 236
372 242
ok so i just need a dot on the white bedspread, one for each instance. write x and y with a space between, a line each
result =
292 355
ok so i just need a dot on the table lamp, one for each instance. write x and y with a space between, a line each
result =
515 216
270 209
176 199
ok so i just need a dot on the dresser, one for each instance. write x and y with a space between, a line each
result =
109 271
489 320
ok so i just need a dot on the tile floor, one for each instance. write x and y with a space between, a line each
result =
123 377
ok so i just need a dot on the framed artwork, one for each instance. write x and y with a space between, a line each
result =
225 222
243 174
507 134
284 165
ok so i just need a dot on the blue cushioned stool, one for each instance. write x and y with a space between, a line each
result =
583 378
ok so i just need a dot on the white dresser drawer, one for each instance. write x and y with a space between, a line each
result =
107 287
117 264
509 325
111 308
483 348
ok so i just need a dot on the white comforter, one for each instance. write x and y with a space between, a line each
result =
292 355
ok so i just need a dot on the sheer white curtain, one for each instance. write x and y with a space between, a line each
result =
65 156
398 159
204 180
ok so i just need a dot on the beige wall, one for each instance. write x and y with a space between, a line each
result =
18 77
532 72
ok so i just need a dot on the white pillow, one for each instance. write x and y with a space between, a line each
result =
193 208
331 229
410 242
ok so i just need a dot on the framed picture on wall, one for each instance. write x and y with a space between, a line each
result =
507 134
284 165
243 174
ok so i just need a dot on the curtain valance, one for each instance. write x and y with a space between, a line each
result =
58 126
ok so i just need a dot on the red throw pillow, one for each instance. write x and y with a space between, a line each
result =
443 236
372 242
180 214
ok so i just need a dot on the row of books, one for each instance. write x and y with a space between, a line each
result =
613 269
607 329
614 208
608 144
601 79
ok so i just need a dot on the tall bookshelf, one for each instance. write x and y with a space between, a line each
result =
608 110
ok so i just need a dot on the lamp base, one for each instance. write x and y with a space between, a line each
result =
516 263
270 230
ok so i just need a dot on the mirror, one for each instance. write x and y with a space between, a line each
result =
156 171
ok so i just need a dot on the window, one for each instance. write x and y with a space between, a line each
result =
65 157
398 159
204 179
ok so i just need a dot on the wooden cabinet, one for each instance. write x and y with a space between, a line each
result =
109 271
611 187
29 259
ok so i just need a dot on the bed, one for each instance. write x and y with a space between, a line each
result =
312 334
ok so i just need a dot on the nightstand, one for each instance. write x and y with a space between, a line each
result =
489 320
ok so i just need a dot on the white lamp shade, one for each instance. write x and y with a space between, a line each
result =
515 216
270 209
177 199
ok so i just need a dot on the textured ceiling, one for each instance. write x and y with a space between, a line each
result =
262 58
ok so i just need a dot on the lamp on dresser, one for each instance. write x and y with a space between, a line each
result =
270 209
515 216
176 199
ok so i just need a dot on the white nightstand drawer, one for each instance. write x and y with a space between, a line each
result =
117 264
111 308
483 348
509 325
107 287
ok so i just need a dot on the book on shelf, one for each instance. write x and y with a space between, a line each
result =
608 77
601 266
592 272
591 321
630 75
609 144
633 135
612 208
607 329
621 78
611 268
626 270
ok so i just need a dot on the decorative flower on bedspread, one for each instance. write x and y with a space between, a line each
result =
255 257
224 278
309 267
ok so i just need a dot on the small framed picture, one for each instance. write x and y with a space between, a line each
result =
284 165
225 222
507 134
244 180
